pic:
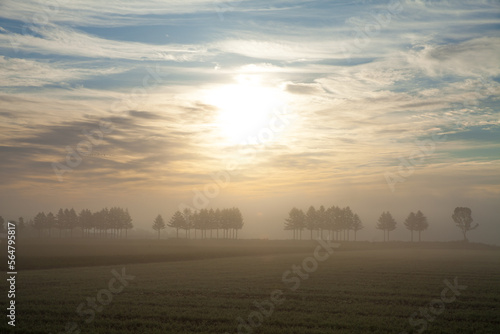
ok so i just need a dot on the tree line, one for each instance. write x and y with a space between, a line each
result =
336 222
206 221
113 222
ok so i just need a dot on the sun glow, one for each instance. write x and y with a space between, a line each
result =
246 110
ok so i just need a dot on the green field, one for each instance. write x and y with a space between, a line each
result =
210 287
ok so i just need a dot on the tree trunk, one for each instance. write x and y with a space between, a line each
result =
177 233
412 236
311 234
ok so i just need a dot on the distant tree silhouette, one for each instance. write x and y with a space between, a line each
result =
346 221
321 221
334 215
177 221
196 222
295 222
462 217
311 220
188 218
59 222
50 222
356 225
158 225
386 223
227 217
40 221
102 222
236 221
212 221
127 222
411 223
2 222
85 221
118 219
71 220
421 223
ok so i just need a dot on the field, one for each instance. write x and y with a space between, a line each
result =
245 286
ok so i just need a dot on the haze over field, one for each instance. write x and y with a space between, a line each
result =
158 105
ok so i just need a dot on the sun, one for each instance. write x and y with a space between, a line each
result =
245 110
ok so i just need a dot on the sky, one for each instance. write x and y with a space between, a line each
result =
160 105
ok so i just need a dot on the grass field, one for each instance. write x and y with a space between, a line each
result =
238 286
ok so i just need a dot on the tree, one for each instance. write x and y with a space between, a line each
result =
158 225
463 218
39 222
321 220
411 223
421 223
236 221
127 222
212 221
334 215
177 221
188 217
85 221
71 220
50 221
295 222
60 221
386 223
311 219
356 224
346 221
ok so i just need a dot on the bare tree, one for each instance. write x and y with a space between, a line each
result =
463 218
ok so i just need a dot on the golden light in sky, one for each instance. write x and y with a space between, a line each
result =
246 109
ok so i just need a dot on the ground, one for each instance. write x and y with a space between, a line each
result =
245 286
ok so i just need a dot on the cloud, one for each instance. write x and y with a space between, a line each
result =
306 89
18 72
59 40
476 57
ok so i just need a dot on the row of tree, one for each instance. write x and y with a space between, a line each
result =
335 221
414 222
462 216
113 222
228 221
